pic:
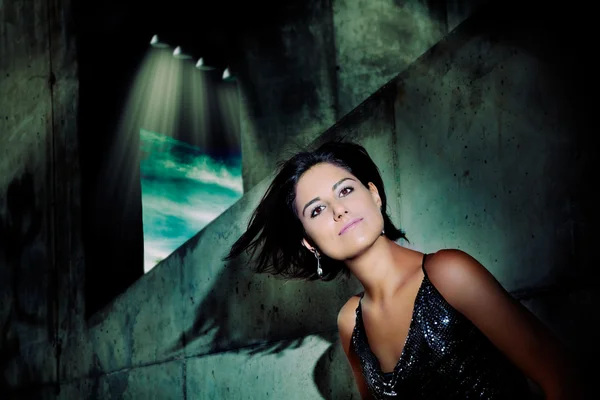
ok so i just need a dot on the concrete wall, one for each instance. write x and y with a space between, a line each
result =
473 159
40 251
287 85
482 144
375 40
320 60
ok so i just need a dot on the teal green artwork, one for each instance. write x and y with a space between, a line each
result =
183 190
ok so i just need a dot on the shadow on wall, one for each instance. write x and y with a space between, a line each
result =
332 374
24 280
258 315
260 306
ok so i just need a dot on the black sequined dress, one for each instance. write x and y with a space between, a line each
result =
445 356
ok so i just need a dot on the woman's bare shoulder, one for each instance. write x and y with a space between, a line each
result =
346 315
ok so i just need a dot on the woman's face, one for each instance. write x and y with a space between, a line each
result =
340 215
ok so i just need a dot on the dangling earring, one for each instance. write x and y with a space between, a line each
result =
382 230
319 269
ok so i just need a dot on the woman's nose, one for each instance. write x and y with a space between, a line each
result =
339 211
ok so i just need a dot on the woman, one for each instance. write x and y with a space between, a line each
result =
434 326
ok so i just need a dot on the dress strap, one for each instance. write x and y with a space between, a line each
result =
360 300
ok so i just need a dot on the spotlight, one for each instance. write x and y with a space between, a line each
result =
227 75
201 66
156 43
177 53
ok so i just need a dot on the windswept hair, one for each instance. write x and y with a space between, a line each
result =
275 230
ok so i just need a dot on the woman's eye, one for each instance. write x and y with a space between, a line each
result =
312 215
347 190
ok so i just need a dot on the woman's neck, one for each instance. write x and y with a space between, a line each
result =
383 268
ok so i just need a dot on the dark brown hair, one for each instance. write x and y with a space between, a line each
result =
275 230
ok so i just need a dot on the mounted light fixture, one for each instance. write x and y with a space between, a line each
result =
178 53
155 42
227 75
201 66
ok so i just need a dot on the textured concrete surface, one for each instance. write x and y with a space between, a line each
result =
38 195
287 87
158 381
457 11
290 374
488 158
375 40
299 77
226 309
482 145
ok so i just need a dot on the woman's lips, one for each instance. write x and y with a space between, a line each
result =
350 225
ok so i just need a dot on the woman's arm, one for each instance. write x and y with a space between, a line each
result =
514 330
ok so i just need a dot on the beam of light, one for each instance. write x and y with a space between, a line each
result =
183 188
153 102
197 90
228 98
